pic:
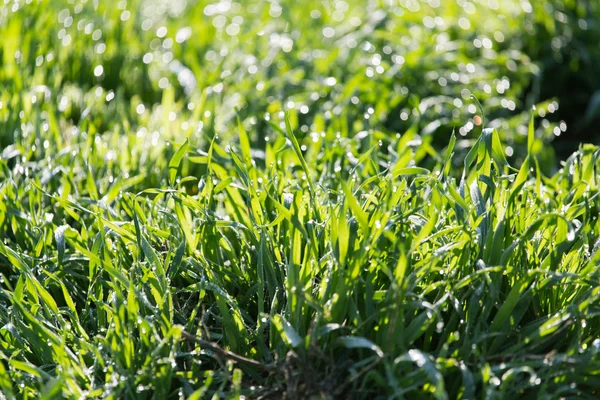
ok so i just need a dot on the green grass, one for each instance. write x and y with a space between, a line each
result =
220 242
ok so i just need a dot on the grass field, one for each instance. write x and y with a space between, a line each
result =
291 200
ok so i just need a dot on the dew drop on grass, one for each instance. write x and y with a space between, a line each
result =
439 327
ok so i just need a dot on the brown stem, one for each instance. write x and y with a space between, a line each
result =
215 348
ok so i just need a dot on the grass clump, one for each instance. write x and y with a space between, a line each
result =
344 268
184 219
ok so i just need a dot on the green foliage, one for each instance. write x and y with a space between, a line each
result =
563 36
167 230
413 66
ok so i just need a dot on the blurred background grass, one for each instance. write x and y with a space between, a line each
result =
347 66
